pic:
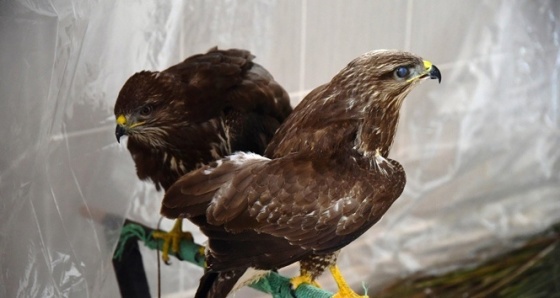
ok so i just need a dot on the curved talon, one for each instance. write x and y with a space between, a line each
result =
344 290
165 248
172 238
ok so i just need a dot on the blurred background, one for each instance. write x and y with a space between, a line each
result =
480 149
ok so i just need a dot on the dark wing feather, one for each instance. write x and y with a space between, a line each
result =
199 187
194 192
341 199
229 84
315 204
242 84
219 69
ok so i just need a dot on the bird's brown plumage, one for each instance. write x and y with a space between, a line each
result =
204 108
327 181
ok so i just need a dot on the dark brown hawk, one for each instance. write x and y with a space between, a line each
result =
197 111
325 180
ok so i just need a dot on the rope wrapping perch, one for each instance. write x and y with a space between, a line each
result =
274 284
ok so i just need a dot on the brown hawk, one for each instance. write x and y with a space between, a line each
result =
197 111
325 180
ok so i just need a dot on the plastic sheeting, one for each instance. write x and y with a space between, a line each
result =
480 150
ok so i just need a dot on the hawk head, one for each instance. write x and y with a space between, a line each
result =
146 107
155 108
384 75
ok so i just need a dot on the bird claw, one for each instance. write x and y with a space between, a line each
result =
297 281
200 255
171 239
344 291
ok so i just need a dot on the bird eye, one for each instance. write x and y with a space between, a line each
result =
402 72
146 110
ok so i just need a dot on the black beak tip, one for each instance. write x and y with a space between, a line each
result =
119 132
435 73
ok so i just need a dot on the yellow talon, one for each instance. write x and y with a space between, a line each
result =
344 290
172 238
201 254
304 277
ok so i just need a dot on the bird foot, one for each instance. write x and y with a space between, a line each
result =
295 282
344 290
200 255
172 238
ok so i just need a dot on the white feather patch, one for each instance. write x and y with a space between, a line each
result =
239 158
250 276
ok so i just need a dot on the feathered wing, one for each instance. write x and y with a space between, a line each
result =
191 196
243 84
228 84
315 204
220 69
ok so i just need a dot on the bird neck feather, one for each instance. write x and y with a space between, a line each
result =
377 130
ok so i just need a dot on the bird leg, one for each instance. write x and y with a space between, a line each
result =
312 266
173 238
344 290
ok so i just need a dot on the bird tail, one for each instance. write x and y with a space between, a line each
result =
217 284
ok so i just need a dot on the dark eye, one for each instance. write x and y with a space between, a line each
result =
402 72
146 110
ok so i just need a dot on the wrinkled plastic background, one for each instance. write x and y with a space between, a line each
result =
481 150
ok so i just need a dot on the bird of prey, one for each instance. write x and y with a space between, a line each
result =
324 180
202 109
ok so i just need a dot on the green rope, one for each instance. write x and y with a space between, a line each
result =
273 283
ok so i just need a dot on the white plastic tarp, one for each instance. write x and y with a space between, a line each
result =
480 150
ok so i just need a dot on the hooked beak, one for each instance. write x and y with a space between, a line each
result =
121 129
119 132
432 71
